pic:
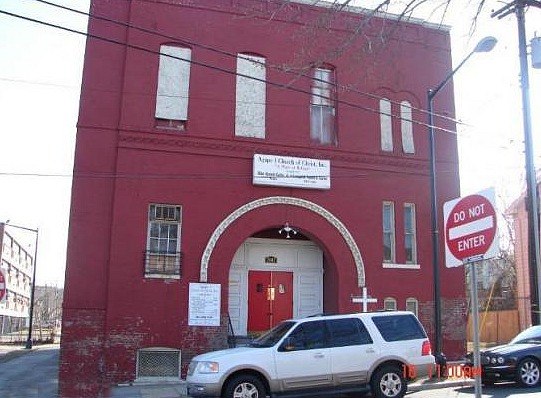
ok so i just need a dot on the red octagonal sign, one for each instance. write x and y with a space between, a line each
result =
2 286
470 227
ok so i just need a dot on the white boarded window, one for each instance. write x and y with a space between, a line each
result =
389 304
406 127
250 96
412 305
173 83
322 107
410 239
386 125
389 251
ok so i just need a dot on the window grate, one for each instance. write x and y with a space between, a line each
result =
162 263
158 363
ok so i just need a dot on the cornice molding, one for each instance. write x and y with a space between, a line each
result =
246 149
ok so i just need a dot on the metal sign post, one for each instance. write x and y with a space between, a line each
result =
475 325
470 237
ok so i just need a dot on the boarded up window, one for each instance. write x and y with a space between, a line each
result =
173 83
406 127
386 124
250 96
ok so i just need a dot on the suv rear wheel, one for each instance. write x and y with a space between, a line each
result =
388 382
244 386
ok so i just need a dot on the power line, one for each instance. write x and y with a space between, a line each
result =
278 85
234 56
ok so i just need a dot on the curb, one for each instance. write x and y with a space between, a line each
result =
16 351
13 354
434 385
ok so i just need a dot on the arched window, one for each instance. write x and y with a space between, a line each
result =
412 304
406 125
389 304
386 125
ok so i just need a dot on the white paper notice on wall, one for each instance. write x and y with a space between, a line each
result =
204 304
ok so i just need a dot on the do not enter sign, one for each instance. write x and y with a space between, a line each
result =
470 228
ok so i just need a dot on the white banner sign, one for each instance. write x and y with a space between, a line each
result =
285 171
204 304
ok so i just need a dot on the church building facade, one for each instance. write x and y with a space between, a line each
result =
242 162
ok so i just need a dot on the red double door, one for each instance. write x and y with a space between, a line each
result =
270 299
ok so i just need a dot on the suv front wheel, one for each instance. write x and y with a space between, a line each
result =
244 386
388 382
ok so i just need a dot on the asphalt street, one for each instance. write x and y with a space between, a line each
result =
30 374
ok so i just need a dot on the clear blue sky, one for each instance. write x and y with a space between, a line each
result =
40 77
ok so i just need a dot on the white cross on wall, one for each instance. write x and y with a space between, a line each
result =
364 299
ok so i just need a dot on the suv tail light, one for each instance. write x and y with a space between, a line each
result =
426 350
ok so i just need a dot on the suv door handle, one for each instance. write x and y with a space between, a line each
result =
370 351
319 355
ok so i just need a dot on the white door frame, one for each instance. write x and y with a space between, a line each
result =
303 258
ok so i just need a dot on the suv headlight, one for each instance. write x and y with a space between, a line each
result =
207 367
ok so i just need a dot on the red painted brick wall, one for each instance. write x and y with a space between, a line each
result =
123 163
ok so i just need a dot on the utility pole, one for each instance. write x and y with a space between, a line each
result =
518 7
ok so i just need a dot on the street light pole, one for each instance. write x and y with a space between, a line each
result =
33 288
534 260
485 45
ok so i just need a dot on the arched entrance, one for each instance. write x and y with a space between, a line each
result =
283 200
274 279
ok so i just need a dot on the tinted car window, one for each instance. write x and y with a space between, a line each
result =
272 336
348 331
531 335
307 336
399 327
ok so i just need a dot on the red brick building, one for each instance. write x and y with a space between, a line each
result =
520 224
241 162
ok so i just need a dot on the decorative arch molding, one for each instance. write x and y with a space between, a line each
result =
283 200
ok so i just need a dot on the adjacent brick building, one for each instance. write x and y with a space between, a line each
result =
16 273
241 162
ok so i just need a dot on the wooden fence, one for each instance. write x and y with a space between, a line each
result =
495 327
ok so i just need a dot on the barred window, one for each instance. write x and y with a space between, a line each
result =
163 248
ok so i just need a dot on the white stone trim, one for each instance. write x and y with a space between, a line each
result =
401 266
283 200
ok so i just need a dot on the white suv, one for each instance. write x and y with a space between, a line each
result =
354 353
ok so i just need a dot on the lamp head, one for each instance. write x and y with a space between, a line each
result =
485 45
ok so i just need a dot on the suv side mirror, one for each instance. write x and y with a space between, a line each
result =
287 345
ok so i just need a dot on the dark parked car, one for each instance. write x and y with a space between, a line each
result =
519 360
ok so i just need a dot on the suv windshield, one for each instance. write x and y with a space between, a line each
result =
272 336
